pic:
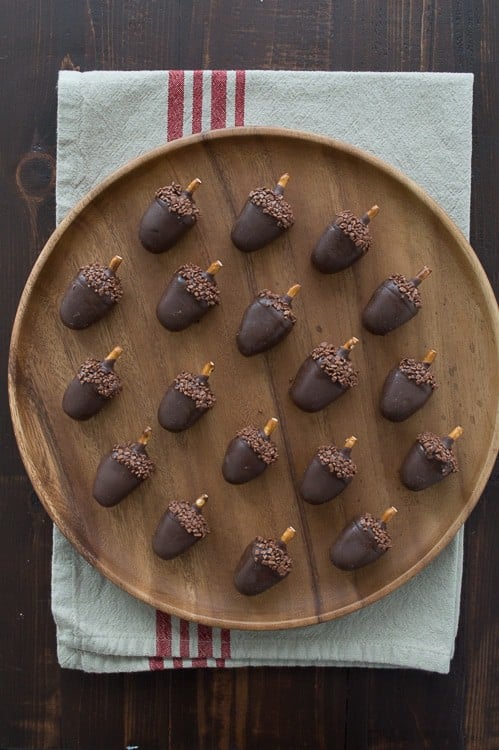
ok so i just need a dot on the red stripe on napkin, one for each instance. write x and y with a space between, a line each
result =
175 129
163 634
163 641
184 639
205 642
197 101
218 99
175 104
200 662
225 642
156 663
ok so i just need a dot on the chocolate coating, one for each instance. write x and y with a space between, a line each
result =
251 576
82 306
262 327
178 411
319 484
313 389
171 538
121 471
420 471
343 242
161 228
387 309
241 464
356 546
254 229
335 251
401 397
264 217
178 308
113 482
81 400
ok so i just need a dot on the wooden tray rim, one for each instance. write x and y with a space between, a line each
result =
36 476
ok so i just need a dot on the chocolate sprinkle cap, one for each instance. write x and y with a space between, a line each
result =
377 529
189 518
137 462
408 289
274 205
354 229
341 466
103 281
279 303
436 450
107 382
195 388
339 369
418 372
177 200
264 447
270 553
199 284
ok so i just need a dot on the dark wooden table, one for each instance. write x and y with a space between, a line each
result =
42 706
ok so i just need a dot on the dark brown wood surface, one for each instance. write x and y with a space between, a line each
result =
42 706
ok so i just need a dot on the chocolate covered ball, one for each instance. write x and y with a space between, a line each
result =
394 303
263 564
324 376
265 216
329 472
122 471
95 384
91 295
407 388
190 294
364 540
186 400
266 322
182 526
170 215
343 242
430 460
250 453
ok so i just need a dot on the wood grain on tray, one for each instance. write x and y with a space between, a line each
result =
458 319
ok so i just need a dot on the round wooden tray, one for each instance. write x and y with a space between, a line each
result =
458 319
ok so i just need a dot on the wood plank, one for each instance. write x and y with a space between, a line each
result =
398 35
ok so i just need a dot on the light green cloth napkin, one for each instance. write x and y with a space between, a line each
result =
420 123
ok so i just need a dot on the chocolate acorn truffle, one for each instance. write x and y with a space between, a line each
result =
362 541
266 321
343 242
394 302
189 295
171 214
265 216
408 387
186 400
250 453
94 385
180 527
430 460
324 376
122 471
328 473
263 563
91 295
